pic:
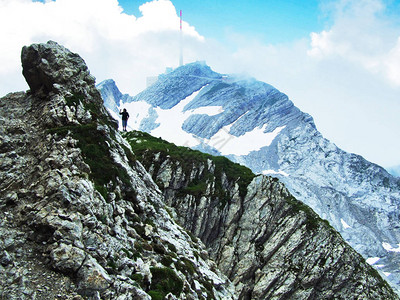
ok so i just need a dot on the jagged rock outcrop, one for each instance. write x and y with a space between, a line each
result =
269 244
79 217
46 70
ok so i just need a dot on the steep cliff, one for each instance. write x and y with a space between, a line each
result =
269 244
81 218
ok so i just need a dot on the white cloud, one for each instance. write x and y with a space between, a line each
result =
361 35
347 76
114 44
359 61
392 64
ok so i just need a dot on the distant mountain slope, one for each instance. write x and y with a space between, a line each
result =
256 125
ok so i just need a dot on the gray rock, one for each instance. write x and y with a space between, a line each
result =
5 259
45 65
77 211
67 258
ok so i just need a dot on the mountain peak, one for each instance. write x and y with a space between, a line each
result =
197 68
256 125
171 88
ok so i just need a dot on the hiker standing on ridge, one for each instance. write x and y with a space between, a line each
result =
125 117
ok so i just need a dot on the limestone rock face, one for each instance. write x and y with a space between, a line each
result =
47 65
80 218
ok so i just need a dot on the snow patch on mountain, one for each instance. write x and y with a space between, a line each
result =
373 260
345 225
171 121
390 248
254 140
138 111
273 172
379 266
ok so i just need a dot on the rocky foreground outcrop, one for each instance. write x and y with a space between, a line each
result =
81 218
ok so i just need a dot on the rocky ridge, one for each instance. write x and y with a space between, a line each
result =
81 218
254 124
270 245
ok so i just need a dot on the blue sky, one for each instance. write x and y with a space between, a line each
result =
338 60
269 20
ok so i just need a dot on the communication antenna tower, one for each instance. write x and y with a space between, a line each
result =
181 42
